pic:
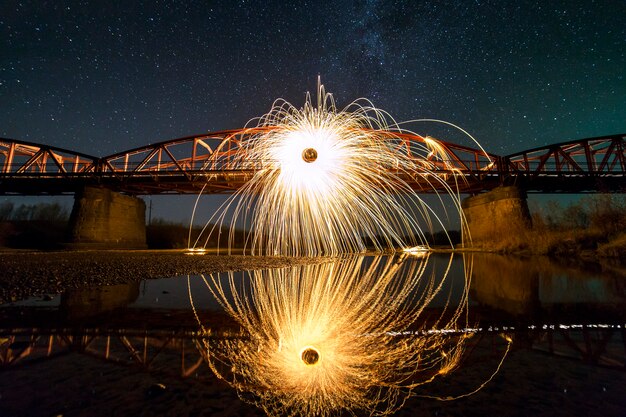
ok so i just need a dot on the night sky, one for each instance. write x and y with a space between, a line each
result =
102 77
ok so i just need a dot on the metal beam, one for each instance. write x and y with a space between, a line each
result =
587 165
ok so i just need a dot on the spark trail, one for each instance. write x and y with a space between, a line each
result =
356 334
333 181
326 338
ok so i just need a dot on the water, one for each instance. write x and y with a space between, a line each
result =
136 349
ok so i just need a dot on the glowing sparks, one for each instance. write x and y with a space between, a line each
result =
351 334
321 339
417 250
195 251
307 160
331 181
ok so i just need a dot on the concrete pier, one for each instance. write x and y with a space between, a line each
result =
497 213
102 218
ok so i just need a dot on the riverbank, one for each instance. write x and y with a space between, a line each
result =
37 273
572 246
31 273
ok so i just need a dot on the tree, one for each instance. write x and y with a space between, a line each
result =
6 209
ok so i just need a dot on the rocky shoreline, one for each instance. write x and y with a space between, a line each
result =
28 273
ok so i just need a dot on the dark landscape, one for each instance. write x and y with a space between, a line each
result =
74 382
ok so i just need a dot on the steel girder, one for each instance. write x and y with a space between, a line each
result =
216 163
587 165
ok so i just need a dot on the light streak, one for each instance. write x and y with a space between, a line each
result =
195 251
417 250
326 338
334 181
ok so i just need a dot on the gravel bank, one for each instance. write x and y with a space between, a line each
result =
24 274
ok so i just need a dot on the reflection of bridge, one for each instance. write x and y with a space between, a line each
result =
216 161
183 352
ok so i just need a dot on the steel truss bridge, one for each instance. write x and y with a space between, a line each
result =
217 163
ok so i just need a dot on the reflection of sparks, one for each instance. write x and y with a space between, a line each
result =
334 182
323 338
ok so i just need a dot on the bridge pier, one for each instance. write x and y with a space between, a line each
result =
496 214
102 218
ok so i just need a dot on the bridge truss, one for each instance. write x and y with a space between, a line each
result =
587 165
217 163
211 163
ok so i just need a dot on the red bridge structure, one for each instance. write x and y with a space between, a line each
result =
213 162
216 163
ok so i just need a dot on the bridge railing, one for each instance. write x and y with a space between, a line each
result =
224 151
28 158
187 164
219 159
596 156
214 151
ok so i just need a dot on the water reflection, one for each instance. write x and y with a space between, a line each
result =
568 326
80 303
357 334
538 291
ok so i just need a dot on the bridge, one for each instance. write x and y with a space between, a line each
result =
217 162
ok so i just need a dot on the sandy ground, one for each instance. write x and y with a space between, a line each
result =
24 274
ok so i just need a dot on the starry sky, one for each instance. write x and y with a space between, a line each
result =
103 77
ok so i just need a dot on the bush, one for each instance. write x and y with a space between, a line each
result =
602 213
584 226
161 234
43 212
32 226
607 213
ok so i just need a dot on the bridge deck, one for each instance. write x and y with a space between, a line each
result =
215 163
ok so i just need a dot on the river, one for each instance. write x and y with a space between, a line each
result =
464 334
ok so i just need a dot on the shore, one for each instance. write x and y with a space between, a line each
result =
587 245
36 273
32 273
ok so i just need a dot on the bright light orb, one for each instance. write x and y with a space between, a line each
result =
309 155
295 151
310 356
331 183
327 182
